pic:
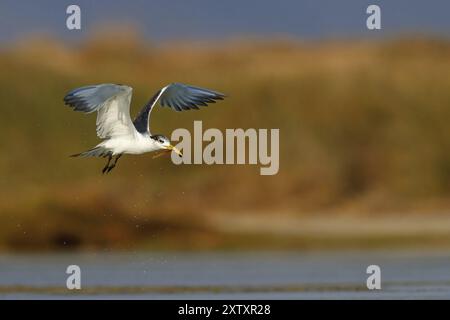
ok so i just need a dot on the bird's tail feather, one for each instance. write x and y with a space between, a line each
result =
94 152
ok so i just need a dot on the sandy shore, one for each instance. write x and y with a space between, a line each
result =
340 230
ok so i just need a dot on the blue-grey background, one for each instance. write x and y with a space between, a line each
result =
161 20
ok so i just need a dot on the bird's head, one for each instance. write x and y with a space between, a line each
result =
164 143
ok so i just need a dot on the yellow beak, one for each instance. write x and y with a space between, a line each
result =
174 149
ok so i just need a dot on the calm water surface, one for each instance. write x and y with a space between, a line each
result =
268 275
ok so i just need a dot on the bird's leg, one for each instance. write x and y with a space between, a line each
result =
114 164
107 164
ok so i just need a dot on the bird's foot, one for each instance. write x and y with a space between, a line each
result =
107 169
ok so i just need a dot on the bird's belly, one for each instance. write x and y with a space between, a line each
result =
129 145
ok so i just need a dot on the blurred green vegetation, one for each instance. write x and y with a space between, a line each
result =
363 129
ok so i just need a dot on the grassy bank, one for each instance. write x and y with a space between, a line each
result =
363 129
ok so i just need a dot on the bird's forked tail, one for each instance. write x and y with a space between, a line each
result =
94 152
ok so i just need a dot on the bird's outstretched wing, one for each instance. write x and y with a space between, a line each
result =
178 97
111 101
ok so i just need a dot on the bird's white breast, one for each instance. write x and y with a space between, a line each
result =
131 144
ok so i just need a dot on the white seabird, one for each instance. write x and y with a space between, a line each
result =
120 134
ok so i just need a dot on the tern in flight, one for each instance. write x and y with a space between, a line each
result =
114 125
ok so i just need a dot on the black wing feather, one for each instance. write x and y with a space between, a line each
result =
178 97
